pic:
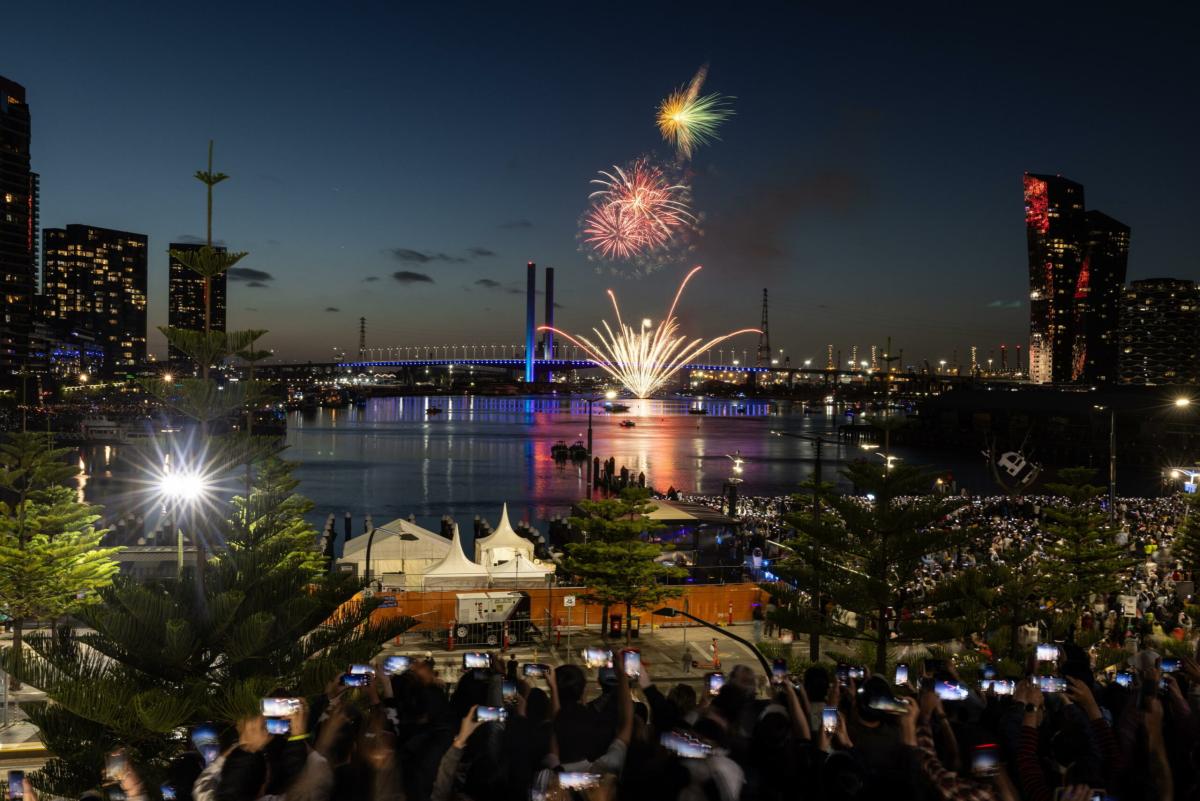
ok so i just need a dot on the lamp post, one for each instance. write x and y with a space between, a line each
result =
814 637
178 489
667 611
1179 403
404 537
610 395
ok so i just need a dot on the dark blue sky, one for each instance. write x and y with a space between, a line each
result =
871 177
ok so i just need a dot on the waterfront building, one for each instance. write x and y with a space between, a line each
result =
95 279
185 298
1077 261
18 227
1160 332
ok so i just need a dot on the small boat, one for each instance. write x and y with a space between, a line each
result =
433 410
616 408
578 451
697 411
627 424
560 451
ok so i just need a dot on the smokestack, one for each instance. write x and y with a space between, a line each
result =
549 340
530 319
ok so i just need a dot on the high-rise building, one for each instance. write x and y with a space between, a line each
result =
18 227
185 298
95 279
1159 339
1077 262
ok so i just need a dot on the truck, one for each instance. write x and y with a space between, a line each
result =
480 618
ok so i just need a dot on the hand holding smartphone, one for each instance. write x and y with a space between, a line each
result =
829 719
16 785
715 681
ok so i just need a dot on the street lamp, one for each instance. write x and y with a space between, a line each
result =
667 611
182 488
610 395
814 637
1180 402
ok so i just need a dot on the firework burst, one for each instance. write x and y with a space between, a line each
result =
688 119
635 211
644 358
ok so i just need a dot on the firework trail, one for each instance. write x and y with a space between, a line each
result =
643 359
687 119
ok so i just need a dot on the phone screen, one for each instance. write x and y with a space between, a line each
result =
209 752
1124 678
578 781
988 671
892 706
596 657
168 792
985 761
1002 686
856 673
829 719
279 726
901 674
508 690
204 734
1052 684
476 660
355 679
361 670
486 714
779 670
633 664
533 671
1047 652
16 784
394 665
715 682
114 766
684 746
1169 664
280 707
949 690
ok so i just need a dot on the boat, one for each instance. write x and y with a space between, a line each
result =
103 429
433 410
616 408
697 411
578 451
627 424
560 451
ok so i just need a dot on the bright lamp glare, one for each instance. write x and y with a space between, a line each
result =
183 486
1183 401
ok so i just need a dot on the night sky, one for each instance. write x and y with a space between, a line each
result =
403 161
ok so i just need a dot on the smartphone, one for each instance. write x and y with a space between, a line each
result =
279 726
715 682
829 719
779 670
597 657
476 660
486 714
508 691
857 673
985 760
532 670
1124 678
1169 664
204 734
892 706
578 781
16 784
115 793
901 674
115 765
394 665
355 679
950 690
168 792
1051 684
998 686
1047 652
684 746
987 671
209 752
607 676
633 664
280 707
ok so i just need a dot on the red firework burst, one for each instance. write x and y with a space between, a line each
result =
636 210
611 233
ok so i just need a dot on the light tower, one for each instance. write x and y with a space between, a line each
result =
763 357
362 337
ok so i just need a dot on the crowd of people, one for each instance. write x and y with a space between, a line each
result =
535 733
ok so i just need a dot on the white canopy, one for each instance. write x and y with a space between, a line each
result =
519 571
398 547
503 544
455 569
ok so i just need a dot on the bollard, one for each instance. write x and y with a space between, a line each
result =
450 637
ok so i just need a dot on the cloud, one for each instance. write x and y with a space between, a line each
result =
332 309
481 253
256 284
1004 304
371 278
410 256
515 224
488 283
409 277
249 274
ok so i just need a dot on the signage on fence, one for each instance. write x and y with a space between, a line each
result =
568 600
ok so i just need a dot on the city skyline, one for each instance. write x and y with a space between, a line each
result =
863 213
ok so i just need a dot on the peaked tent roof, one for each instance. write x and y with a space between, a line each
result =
503 537
456 563
519 567
389 545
